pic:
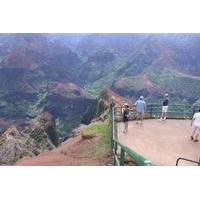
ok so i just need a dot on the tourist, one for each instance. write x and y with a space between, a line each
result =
140 109
196 126
125 115
164 107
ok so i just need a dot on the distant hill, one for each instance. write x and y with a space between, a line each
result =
148 64
38 74
64 73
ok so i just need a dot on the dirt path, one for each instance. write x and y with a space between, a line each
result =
161 142
74 151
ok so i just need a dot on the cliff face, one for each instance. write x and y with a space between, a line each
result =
38 136
107 96
90 144
69 104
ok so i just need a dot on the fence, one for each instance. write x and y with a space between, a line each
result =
175 111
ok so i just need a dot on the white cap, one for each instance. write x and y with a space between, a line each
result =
141 97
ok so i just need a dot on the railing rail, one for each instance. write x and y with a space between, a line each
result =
138 159
175 111
188 160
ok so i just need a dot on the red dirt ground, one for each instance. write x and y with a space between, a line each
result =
161 142
74 151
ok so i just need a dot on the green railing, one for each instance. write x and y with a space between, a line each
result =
175 111
138 159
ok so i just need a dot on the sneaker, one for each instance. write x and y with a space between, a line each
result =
196 140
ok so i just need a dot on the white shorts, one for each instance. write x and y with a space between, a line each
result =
164 109
197 128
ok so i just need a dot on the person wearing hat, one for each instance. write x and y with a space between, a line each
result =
125 115
140 109
164 107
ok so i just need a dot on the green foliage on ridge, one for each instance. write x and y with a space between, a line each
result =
102 129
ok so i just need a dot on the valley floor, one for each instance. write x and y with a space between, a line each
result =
161 142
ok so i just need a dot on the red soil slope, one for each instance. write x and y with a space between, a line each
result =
74 151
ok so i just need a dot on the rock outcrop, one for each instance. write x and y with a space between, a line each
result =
108 96
37 137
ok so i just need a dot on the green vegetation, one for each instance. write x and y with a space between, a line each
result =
65 124
108 74
132 83
177 83
96 87
100 129
35 109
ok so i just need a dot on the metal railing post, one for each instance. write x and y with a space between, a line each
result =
122 157
113 125
115 148
184 111
151 111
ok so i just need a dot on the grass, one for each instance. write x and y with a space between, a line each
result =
108 76
102 129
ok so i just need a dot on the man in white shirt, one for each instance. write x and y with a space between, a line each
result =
196 124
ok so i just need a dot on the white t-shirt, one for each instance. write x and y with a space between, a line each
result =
196 118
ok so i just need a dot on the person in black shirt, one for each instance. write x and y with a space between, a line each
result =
125 115
165 107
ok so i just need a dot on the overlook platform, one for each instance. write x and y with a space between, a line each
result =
161 142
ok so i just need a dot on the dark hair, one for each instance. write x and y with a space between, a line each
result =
199 109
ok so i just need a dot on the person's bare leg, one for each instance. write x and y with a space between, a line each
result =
126 125
162 115
196 138
165 116
142 116
137 119
193 134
